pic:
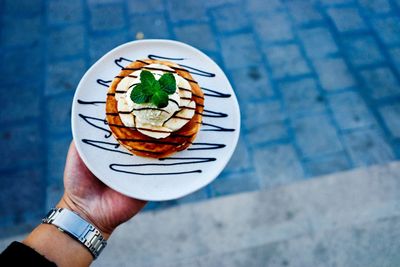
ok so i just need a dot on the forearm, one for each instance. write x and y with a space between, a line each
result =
58 247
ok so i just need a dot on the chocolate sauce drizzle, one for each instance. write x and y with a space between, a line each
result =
192 70
181 161
213 114
214 93
104 82
104 145
189 69
88 119
119 60
215 128
114 167
98 123
206 146
82 102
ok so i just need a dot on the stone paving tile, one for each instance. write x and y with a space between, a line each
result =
235 183
229 18
347 19
334 74
318 42
273 28
316 135
395 57
22 7
388 30
58 111
304 12
21 31
376 6
380 82
26 108
218 3
198 35
239 51
336 2
267 132
143 7
106 17
241 158
64 76
286 61
252 83
302 96
336 162
367 147
199 195
277 165
178 10
151 25
257 113
21 146
259 7
350 111
53 195
64 42
64 11
362 50
57 149
19 202
391 115
12 64
264 122
101 44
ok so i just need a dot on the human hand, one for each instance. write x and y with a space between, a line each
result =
93 200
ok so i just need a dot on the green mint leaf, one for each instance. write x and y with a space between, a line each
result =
151 90
168 83
160 99
138 95
147 79
147 90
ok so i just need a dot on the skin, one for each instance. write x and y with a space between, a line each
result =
92 200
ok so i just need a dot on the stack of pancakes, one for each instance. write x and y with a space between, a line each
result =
143 145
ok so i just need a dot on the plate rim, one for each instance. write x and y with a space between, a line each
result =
146 197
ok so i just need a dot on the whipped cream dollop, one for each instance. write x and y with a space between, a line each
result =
147 118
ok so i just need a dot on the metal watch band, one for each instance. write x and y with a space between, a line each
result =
75 226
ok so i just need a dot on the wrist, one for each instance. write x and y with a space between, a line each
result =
67 203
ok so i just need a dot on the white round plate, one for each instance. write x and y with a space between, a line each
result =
146 178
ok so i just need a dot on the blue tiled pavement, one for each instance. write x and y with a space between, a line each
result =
318 83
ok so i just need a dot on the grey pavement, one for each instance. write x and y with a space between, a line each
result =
343 219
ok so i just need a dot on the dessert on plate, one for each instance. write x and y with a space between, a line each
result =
154 108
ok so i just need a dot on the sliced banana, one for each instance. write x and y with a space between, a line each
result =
186 92
153 131
124 106
125 84
181 118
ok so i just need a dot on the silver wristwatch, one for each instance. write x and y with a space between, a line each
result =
79 229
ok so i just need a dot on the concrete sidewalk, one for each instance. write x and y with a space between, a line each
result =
344 219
